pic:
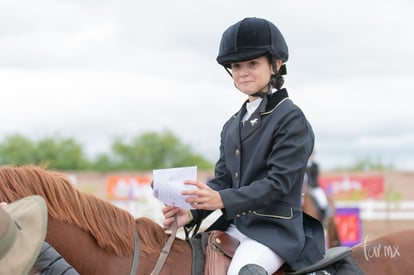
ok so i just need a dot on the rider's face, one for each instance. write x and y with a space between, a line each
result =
253 75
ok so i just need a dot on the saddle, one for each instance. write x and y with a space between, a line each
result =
219 252
218 249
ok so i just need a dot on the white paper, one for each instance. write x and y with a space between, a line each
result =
169 183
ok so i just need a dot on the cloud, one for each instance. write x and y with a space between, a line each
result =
98 70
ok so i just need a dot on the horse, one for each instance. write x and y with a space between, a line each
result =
96 237
93 235
309 206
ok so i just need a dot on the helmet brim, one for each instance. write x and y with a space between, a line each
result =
240 56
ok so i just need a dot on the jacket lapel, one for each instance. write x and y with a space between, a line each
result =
234 129
253 123
250 125
241 131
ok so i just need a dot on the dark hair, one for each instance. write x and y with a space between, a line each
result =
276 80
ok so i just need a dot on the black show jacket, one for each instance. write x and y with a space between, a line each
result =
259 176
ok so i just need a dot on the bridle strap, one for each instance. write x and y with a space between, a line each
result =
166 250
136 254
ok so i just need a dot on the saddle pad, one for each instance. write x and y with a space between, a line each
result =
331 256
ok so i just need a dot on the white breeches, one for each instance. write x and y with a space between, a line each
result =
252 252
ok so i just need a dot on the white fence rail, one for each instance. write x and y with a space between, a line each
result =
381 210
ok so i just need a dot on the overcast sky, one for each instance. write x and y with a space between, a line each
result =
95 70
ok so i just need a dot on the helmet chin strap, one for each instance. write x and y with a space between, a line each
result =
228 71
264 93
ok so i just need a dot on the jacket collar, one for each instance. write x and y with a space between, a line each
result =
270 102
267 106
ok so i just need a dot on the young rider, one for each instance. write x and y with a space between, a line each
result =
264 150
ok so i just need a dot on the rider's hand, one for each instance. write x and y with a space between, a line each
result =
202 197
183 217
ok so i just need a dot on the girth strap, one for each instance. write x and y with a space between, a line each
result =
166 250
136 254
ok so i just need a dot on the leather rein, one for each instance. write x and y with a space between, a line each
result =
136 254
166 250
163 255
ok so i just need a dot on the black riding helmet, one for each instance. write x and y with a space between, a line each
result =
250 38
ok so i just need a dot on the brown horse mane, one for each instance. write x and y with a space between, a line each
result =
112 227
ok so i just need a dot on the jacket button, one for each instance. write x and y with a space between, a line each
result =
236 175
238 215
237 152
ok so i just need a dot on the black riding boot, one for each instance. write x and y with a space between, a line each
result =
252 269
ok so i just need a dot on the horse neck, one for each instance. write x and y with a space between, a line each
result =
81 250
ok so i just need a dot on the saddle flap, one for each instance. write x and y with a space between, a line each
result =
223 242
331 256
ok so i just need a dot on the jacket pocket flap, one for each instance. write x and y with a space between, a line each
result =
280 211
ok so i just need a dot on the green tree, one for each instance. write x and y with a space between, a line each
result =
104 162
17 150
144 152
59 153
155 150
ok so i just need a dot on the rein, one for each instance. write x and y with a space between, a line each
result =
136 254
166 250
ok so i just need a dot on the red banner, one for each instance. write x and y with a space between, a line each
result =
353 187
